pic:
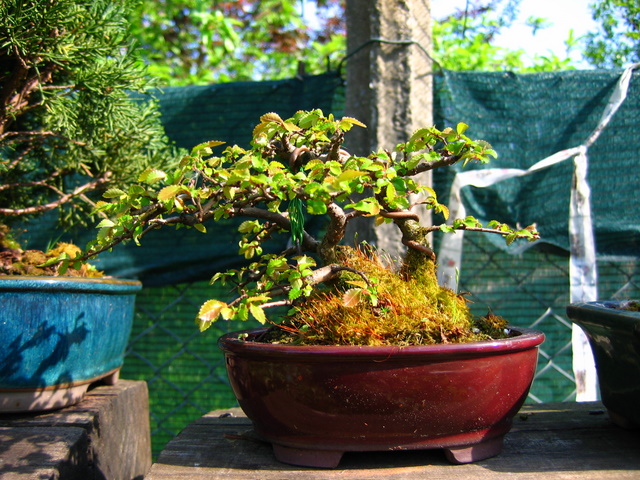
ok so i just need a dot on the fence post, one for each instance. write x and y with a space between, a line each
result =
389 87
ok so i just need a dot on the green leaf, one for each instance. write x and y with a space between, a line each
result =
290 127
347 122
258 313
349 175
206 146
106 223
295 293
152 175
248 226
316 207
461 128
113 193
271 117
308 119
169 192
367 205
209 313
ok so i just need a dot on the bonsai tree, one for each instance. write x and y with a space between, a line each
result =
69 125
335 294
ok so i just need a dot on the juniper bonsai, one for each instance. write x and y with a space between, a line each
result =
69 125
295 168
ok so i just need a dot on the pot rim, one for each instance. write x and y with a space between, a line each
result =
604 313
608 305
68 284
525 339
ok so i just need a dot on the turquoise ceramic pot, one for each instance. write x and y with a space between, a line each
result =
58 336
614 335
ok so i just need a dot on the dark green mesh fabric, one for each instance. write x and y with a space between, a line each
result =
529 117
229 111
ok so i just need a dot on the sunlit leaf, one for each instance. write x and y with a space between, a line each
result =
352 297
152 175
209 313
258 313
271 117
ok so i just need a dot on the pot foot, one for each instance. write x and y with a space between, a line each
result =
37 400
622 421
306 457
474 453
112 378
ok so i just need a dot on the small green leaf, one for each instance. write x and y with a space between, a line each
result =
271 117
209 313
347 122
106 223
258 313
169 192
290 127
152 175
367 205
206 146
113 193
349 175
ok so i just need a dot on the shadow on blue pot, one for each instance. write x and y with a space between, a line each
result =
59 335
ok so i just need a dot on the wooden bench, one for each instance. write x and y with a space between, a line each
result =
558 441
104 437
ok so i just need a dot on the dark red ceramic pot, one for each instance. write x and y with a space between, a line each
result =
313 403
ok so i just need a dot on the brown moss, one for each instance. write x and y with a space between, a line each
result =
411 309
15 261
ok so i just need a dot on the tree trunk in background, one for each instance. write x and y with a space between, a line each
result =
389 88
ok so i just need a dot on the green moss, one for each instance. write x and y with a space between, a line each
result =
410 310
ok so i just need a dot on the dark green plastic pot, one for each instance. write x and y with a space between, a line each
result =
614 335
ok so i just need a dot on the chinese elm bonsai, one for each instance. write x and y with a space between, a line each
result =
335 294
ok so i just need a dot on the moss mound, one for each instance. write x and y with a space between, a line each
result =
411 309
16 261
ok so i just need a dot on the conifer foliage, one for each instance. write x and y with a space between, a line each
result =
74 116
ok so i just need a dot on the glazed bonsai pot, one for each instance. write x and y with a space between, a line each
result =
614 336
58 336
313 403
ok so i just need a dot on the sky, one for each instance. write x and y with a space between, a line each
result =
563 15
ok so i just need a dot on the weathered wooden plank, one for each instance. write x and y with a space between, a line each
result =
115 422
560 441
55 454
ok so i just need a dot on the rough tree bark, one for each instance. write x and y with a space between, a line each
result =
389 87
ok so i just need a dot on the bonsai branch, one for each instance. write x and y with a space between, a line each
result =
427 166
320 275
62 200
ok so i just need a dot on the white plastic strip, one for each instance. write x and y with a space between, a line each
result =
450 256
582 265
582 276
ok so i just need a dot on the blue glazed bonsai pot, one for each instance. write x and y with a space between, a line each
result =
59 335
614 336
